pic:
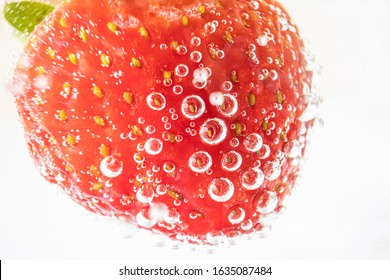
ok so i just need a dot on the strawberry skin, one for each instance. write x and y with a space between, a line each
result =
188 118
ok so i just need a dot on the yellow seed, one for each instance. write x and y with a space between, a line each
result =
105 60
198 162
218 4
172 138
128 97
71 140
210 133
73 58
244 22
283 136
83 35
99 120
228 37
167 74
136 62
264 125
192 108
94 170
104 150
157 102
63 22
136 130
238 129
184 20
67 88
112 27
69 168
97 186
51 53
174 45
202 9
251 99
279 97
234 77
143 32
41 70
97 91
62 115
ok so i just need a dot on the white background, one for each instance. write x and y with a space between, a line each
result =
341 210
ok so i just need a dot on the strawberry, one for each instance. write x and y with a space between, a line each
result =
187 118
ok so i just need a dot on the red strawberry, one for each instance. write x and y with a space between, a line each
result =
185 117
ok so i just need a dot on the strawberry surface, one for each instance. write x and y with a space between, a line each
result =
188 118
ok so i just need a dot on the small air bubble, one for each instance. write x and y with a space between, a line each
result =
200 161
156 101
272 170
221 189
236 215
145 195
231 161
213 131
196 56
266 202
193 107
181 70
111 166
153 146
253 142
252 179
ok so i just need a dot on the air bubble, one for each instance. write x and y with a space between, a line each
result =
161 189
156 101
144 221
150 129
169 167
311 109
221 189
196 41
226 86
272 170
201 76
200 161
283 24
229 106
181 50
252 179
196 56
247 225
153 146
253 142
262 40
145 195
216 98
177 89
181 70
266 202
236 215
193 107
293 149
264 152
234 142
157 211
111 167
215 237
213 131
210 27
231 161
254 5
172 216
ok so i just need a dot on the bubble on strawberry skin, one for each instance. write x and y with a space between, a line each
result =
156 101
272 170
172 216
193 107
153 146
252 179
266 202
196 56
200 77
181 70
200 161
231 161
111 166
215 237
216 98
145 195
144 221
253 142
213 131
229 106
221 189
236 215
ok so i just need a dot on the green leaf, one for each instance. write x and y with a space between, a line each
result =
24 16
